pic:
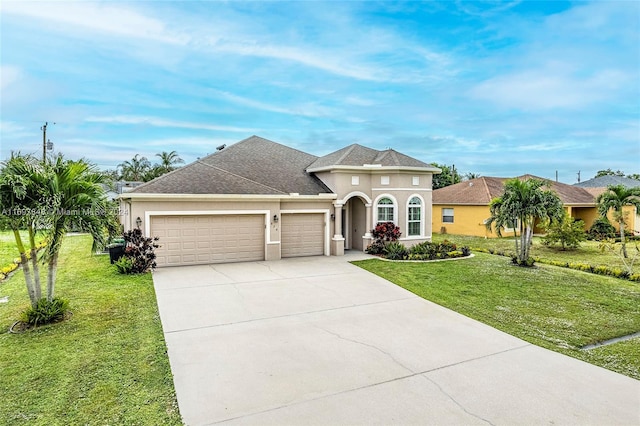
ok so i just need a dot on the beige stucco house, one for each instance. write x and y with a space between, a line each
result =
260 200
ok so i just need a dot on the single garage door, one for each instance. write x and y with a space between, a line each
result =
193 240
302 234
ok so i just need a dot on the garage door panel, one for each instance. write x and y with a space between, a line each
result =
203 239
302 234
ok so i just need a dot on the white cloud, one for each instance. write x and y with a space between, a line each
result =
89 16
8 75
549 88
161 122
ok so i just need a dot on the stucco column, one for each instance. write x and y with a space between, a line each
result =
367 238
337 211
337 242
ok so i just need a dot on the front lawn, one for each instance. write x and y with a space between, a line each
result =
588 252
556 308
108 364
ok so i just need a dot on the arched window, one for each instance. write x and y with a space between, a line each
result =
386 210
414 217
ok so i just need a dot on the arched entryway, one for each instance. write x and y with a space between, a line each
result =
354 220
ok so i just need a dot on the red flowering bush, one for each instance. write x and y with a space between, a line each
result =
383 233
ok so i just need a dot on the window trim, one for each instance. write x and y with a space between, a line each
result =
421 221
393 205
452 216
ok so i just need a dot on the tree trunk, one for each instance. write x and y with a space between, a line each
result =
28 278
523 243
34 263
51 277
622 240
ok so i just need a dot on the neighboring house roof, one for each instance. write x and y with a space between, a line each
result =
252 166
482 190
604 181
358 156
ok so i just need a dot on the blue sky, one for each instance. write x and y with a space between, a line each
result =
496 88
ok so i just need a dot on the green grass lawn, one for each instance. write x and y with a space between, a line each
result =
556 308
8 250
588 252
106 365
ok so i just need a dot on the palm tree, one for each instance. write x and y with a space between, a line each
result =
135 169
169 160
522 203
615 198
22 196
80 203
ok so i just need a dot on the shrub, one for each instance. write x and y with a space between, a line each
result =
395 251
567 232
382 234
124 265
140 252
601 230
524 263
46 312
386 231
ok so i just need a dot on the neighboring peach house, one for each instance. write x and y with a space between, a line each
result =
260 200
598 185
463 208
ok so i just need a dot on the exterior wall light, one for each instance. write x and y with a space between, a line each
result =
333 216
138 222
275 218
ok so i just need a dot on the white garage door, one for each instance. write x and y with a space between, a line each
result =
192 240
302 234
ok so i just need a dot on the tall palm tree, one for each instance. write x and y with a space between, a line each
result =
615 198
80 203
522 203
169 160
23 199
135 169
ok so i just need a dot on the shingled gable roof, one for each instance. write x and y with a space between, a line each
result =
482 190
252 166
357 156
604 181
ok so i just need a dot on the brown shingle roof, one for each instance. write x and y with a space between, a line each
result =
252 166
482 190
358 155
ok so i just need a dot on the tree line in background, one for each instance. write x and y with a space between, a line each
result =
610 172
451 176
140 169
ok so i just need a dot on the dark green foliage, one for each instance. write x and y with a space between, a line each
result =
46 312
567 232
601 230
140 251
395 251
449 176
124 265
527 263
430 251
376 247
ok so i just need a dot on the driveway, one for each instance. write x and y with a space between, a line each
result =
318 341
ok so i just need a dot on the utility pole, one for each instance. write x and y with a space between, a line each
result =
46 145
44 142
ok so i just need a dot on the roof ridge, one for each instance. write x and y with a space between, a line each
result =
381 155
348 151
236 175
486 187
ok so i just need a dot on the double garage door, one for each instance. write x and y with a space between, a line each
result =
206 239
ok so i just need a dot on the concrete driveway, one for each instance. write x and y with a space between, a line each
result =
320 341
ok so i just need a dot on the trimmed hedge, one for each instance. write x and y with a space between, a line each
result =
6 270
578 266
